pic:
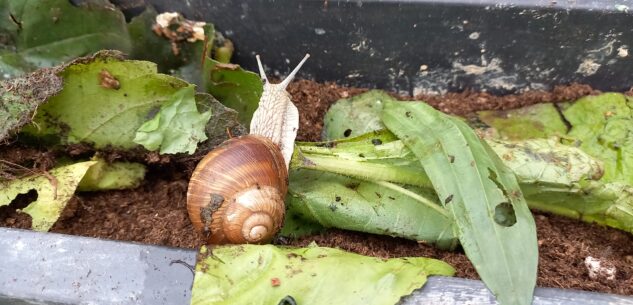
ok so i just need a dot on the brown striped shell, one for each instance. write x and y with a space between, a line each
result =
236 193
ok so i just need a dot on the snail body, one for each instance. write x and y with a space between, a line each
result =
236 193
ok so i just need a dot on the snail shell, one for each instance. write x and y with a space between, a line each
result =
237 191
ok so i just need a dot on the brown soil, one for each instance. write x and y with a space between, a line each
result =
155 212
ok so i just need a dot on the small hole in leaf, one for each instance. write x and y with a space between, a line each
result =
376 141
504 214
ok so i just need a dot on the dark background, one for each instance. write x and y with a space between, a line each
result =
428 46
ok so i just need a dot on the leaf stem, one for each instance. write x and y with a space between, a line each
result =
363 170
429 203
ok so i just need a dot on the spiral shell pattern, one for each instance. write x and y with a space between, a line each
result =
236 193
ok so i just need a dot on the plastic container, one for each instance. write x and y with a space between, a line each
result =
406 46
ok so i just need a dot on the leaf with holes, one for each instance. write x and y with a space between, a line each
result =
495 226
266 274
337 201
355 116
54 189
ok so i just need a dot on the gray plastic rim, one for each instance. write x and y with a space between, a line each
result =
50 268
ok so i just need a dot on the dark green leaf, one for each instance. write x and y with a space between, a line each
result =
45 33
234 87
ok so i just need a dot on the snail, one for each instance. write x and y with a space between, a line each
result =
236 193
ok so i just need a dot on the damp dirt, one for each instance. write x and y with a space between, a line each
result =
155 212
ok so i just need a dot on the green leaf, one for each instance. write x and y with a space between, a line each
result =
374 207
375 156
45 33
554 177
53 192
104 176
603 126
295 226
87 110
536 121
562 180
355 116
495 226
251 274
177 127
231 85
234 87
223 119
600 125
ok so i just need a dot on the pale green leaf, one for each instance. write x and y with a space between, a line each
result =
600 125
546 161
251 274
535 121
495 226
603 127
104 176
53 192
355 116
177 127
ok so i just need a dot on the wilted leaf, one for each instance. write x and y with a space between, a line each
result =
546 161
250 274
20 97
355 116
222 125
495 226
53 192
147 45
600 125
104 101
177 127
45 33
603 125
535 121
336 201
104 176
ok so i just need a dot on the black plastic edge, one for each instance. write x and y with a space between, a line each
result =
415 47
50 268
